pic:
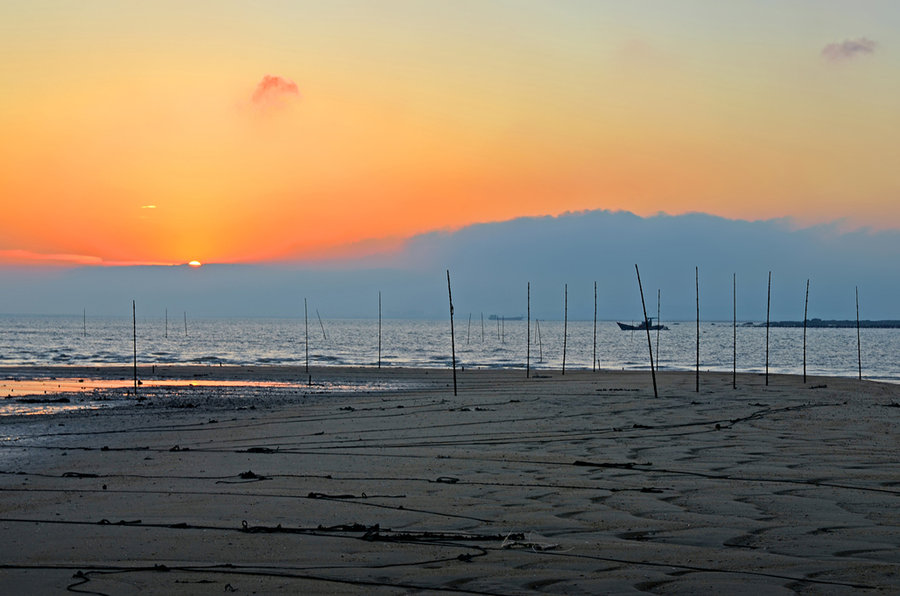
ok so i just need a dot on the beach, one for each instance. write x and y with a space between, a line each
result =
383 481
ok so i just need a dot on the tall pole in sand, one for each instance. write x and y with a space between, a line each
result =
452 336
482 327
697 375
565 325
858 342
528 337
84 321
647 325
768 308
379 329
322 325
658 323
537 328
805 305
167 324
306 341
185 323
734 331
469 330
134 342
594 353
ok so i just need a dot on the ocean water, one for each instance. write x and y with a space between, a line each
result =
70 340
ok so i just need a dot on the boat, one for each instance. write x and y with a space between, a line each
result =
643 326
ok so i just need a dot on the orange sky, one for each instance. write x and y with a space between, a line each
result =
141 135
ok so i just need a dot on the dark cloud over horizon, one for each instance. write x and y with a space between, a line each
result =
491 264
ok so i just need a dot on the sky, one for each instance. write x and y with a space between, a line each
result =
276 132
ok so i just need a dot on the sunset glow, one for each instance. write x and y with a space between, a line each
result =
141 133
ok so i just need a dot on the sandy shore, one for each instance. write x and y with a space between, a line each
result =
575 484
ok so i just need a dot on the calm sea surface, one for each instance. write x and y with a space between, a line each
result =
69 340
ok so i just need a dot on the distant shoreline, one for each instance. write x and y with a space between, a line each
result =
835 324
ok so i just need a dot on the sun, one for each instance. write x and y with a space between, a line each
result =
195 264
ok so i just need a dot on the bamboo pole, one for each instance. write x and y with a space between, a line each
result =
185 323
167 323
379 329
482 327
565 325
528 337
594 353
647 325
469 329
658 323
734 331
452 336
858 340
306 325
697 375
134 343
768 309
84 321
537 323
805 305
324 337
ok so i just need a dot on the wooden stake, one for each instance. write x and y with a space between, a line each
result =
306 322
528 337
84 321
469 329
658 324
134 343
185 323
805 305
379 329
537 324
734 331
565 325
482 327
768 308
697 375
594 353
858 341
324 337
167 323
452 336
647 325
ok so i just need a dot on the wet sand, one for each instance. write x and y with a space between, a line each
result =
576 484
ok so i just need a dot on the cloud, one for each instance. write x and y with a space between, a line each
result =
274 90
848 49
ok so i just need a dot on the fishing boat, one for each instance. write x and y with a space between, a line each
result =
642 327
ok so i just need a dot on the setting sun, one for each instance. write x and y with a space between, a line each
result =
195 264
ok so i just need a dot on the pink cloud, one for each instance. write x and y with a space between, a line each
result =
274 90
848 49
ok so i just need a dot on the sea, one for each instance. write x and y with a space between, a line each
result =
544 345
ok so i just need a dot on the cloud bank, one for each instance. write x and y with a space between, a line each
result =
491 264
848 49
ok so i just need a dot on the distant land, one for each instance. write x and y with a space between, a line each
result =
835 324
